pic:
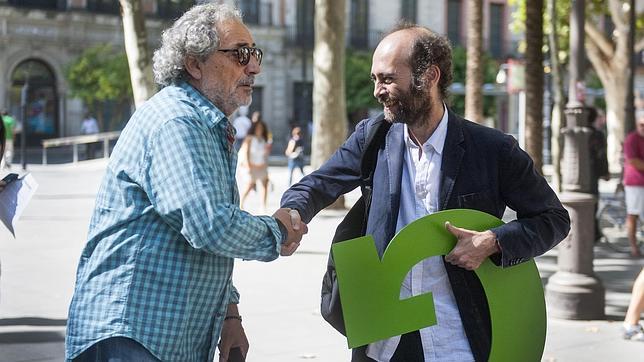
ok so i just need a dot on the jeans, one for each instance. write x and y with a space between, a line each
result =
116 349
292 164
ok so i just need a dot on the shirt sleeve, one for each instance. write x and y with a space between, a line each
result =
630 148
234 295
192 186
337 176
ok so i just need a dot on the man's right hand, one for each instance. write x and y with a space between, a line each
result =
2 185
295 227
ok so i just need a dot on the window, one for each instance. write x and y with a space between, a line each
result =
40 4
302 103
104 6
250 11
454 21
305 16
408 10
173 9
496 30
359 24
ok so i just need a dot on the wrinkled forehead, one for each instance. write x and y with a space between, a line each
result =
234 34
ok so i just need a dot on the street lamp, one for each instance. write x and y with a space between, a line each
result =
23 110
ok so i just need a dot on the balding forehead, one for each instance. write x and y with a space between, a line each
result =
398 44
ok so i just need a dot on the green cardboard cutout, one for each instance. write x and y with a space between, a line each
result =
370 288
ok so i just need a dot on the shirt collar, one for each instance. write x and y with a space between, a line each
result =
437 139
214 116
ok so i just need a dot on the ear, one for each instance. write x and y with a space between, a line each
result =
193 67
432 75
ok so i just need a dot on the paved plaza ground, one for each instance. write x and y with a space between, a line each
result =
280 300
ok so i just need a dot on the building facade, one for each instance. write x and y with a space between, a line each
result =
40 38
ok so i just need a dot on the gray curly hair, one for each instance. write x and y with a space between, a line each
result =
195 34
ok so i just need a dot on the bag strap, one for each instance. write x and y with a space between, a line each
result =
369 159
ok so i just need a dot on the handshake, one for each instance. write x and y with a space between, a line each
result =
291 219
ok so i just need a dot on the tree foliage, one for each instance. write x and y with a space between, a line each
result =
100 74
490 68
595 10
359 86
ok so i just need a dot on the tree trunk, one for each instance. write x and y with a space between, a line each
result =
615 94
609 59
136 48
557 119
474 72
329 107
534 82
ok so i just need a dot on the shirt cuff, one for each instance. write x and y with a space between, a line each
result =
283 231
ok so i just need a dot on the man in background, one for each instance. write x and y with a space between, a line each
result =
89 126
9 124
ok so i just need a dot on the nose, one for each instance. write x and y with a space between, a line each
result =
253 67
378 89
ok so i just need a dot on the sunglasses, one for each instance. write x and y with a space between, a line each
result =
244 53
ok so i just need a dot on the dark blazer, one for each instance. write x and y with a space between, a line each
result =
482 169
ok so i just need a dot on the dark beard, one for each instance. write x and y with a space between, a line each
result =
412 107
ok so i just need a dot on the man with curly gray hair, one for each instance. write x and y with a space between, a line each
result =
154 281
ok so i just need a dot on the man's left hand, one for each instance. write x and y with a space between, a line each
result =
472 247
232 336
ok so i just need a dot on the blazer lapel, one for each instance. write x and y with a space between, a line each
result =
452 156
395 157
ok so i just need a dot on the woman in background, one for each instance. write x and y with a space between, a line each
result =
255 152
295 153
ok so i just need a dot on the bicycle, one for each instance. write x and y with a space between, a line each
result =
611 220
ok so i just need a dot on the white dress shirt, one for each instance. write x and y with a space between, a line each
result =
419 196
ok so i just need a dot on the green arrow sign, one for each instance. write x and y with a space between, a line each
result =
370 288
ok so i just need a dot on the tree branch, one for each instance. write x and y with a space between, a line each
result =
617 15
597 38
639 46
600 61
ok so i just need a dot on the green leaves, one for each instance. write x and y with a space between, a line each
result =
359 86
100 74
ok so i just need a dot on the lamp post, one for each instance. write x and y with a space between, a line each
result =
23 116
574 291
629 111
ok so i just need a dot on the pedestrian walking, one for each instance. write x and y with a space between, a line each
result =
89 126
9 125
255 153
634 180
598 160
632 328
295 153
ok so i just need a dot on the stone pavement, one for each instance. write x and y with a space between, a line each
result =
280 300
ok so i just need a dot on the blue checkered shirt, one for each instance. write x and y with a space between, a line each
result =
166 228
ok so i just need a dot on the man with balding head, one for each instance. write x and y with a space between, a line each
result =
431 160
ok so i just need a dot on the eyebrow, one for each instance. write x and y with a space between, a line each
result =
383 75
242 44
